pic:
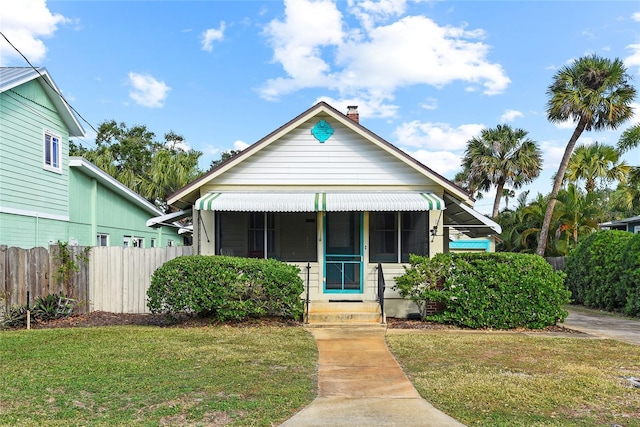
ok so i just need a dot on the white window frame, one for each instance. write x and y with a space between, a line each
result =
52 143
126 241
153 242
636 229
99 236
169 243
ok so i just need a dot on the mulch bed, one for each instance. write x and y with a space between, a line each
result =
101 318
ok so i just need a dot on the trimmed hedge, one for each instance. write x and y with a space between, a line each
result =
596 267
226 288
488 290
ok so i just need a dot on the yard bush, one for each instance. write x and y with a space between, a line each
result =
595 268
226 288
630 278
497 290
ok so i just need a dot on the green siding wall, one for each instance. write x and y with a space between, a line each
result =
114 215
26 112
29 232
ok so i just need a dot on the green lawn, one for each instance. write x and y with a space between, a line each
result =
503 379
131 375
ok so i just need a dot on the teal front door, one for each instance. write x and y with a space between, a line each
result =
343 252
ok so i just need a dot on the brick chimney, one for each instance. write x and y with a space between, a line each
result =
352 113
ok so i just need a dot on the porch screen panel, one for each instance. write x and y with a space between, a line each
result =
383 237
415 237
296 237
231 229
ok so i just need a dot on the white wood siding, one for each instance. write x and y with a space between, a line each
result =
344 159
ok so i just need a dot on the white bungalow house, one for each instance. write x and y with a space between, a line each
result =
325 193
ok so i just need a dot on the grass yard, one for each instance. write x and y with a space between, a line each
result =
134 375
501 379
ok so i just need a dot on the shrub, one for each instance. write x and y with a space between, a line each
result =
226 288
595 268
630 277
497 290
44 309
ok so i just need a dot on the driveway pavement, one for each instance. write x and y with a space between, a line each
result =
604 326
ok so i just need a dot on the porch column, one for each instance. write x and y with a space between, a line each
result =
436 245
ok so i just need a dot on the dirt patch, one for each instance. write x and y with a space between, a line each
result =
395 323
102 318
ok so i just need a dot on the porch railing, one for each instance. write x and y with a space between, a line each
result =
381 288
308 298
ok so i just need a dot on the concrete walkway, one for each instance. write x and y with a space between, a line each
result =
604 326
361 384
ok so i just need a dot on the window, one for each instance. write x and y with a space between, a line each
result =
636 229
52 151
138 242
257 234
127 241
152 243
102 239
169 243
389 231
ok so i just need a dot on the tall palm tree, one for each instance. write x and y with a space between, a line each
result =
504 156
596 162
595 93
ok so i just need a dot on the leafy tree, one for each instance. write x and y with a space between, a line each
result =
473 182
596 162
224 156
505 156
595 93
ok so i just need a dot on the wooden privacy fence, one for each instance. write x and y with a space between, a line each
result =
120 277
114 279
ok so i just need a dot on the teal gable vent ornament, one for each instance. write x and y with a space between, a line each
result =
322 131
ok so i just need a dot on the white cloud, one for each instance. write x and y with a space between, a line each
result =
443 162
436 136
147 91
552 153
510 115
565 125
367 107
317 49
429 104
634 59
240 145
212 35
25 23
636 16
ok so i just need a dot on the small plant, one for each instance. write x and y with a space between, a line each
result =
68 264
16 317
52 307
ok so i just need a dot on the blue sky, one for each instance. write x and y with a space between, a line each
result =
427 75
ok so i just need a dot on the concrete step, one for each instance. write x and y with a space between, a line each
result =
344 313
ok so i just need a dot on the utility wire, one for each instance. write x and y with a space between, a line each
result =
48 84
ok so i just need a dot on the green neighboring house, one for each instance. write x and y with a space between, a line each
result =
45 195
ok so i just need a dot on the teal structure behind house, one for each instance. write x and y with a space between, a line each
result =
631 224
46 195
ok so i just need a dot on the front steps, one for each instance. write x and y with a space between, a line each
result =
348 313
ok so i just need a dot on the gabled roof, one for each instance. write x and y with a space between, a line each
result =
11 77
187 195
113 184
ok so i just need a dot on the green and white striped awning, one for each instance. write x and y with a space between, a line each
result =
319 202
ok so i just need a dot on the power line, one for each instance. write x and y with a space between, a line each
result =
49 84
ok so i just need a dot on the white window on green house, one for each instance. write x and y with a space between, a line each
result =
169 242
126 241
102 239
52 152
152 243
636 229
138 242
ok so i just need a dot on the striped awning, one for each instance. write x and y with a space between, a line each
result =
319 202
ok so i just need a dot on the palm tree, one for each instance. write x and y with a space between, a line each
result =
595 93
502 156
507 193
578 215
593 162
